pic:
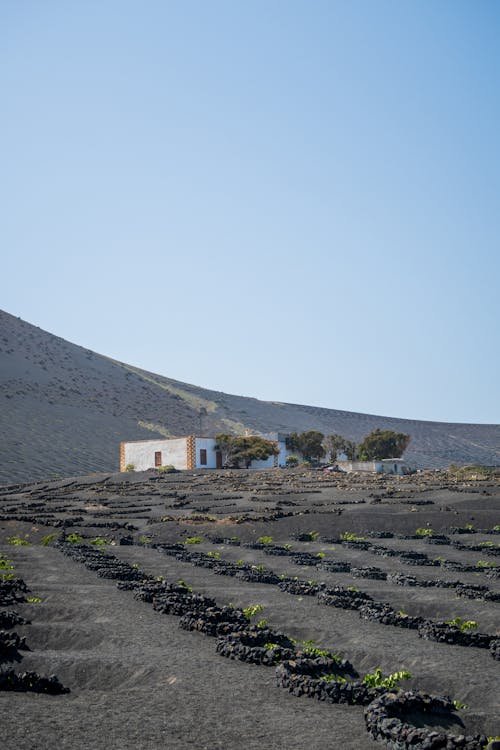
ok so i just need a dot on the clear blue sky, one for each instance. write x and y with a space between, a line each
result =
298 201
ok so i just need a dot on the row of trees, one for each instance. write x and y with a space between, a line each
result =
312 446
379 444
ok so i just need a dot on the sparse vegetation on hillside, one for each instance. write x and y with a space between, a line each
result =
474 473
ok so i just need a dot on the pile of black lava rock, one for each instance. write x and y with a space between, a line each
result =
300 588
383 613
31 682
495 649
214 620
104 564
10 644
343 598
12 592
323 678
368 571
257 646
477 591
277 550
255 575
335 566
443 632
388 718
8 619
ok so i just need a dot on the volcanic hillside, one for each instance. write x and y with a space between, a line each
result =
65 409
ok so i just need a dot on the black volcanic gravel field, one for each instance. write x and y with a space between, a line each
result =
136 592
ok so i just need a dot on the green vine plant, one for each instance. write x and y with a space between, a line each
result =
265 540
315 652
17 541
424 532
348 536
462 625
252 610
6 564
48 539
193 540
98 541
74 538
377 679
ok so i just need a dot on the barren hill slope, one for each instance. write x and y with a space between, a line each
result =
64 409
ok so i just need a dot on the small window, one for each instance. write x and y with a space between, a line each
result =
157 458
203 457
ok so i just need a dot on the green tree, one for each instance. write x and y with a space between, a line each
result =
381 444
338 443
308 444
244 450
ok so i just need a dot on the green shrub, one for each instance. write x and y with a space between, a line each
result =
292 461
6 564
377 679
193 540
98 541
424 532
348 536
252 610
74 538
17 541
485 564
169 469
463 625
130 467
265 540
48 539
144 540
33 599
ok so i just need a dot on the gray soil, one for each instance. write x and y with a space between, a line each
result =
138 681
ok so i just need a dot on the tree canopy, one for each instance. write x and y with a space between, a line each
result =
338 443
381 444
238 450
309 444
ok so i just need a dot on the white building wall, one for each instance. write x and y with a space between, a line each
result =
142 453
207 444
174 452
393 466
374 467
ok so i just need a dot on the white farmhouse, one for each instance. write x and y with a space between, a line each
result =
191 452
